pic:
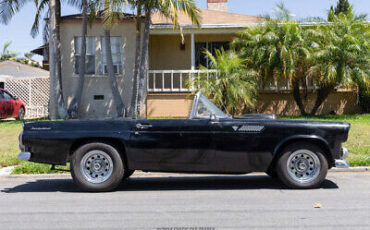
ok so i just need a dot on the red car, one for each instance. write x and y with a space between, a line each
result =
11 106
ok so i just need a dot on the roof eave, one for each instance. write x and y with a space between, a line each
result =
204 26
223 26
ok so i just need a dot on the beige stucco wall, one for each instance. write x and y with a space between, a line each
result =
97 84
178 105
344 102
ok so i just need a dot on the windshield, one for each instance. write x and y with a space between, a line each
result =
204 108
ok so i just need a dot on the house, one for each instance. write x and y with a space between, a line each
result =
15 70
171 62
44 52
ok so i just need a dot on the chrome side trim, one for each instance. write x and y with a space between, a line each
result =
24 156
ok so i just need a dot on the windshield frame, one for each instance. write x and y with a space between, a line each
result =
193 112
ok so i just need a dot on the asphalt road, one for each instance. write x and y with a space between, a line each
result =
169 201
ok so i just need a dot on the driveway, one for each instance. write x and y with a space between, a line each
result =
180 201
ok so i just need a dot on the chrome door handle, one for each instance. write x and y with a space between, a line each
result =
141 126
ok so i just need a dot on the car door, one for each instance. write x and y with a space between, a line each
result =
2 105
5 106
241 144
171 144
10 104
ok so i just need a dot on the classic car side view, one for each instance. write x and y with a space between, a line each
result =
10 106
104 152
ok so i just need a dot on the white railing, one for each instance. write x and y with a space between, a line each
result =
173 80
36 111
176 81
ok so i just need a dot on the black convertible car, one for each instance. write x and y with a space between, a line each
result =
103 152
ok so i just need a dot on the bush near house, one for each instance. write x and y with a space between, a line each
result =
358 143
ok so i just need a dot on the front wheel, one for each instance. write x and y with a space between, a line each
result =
21 113
302 166
97 167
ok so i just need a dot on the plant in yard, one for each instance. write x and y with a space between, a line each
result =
277 51
343 6
233 88
343 56
169 9
6 54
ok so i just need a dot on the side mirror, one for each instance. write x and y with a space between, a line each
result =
213 117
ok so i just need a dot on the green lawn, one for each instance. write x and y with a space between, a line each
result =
9 131
358 142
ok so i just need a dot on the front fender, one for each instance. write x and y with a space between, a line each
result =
291 139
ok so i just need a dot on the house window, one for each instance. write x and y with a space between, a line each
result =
90 55
201 58
116 46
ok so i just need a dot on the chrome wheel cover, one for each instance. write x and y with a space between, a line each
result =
96 166
303 166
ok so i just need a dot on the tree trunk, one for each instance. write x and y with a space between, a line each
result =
120 107
76 101
297 97
133 107
56 103
322 94
142 91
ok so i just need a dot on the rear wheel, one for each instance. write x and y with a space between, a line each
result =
97 167
302 166
21 113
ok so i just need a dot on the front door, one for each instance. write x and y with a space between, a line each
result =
171 145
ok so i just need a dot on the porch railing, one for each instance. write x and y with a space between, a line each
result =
174 80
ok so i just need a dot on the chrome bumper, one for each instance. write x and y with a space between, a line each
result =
24 156
342 163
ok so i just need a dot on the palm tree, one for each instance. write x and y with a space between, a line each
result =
138 21
112 13
234 88
343 57
76 100
169 9
277 52
56 104
6 54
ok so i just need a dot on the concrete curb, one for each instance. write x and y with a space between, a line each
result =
5 173
351 169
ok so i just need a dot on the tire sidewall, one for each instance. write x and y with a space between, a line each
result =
112 182
282 170
21 115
